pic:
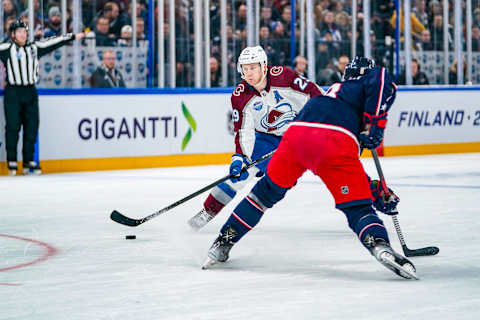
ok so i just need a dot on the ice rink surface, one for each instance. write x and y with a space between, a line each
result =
61 257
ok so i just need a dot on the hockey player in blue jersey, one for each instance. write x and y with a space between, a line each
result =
327 138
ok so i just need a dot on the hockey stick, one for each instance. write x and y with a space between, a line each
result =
120 218
427 251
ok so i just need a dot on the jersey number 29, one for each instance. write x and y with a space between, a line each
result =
235 115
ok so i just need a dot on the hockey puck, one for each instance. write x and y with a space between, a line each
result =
131 237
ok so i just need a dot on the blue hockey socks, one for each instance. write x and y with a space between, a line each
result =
364 221
245 216
250 210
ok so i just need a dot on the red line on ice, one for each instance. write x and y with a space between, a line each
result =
50 252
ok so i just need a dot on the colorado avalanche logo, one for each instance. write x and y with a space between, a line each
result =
277 118
238 90
275 71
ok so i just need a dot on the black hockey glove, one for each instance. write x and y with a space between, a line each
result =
385 202
373 136
238 161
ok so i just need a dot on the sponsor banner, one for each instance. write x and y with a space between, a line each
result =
434 117
155 127
107 126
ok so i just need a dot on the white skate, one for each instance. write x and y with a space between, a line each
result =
199 220
382 251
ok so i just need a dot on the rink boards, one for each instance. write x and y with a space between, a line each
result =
84 130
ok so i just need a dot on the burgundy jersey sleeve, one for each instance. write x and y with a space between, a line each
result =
302 84
243 125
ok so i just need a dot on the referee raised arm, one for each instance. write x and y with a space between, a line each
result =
20 59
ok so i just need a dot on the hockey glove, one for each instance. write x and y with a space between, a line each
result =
385 202
238 161
373 136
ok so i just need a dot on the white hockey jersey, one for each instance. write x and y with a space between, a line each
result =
271 110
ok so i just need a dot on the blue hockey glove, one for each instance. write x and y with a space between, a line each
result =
372 137
238 161
385 202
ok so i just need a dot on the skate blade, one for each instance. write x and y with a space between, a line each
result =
209 262
405 273
193 224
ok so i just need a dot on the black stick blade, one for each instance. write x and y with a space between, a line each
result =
427 251
120 218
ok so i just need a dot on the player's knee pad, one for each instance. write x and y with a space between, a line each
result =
266 193
363 220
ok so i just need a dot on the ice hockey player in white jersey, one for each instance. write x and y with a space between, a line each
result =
263 104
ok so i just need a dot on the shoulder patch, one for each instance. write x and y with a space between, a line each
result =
275 71
238 90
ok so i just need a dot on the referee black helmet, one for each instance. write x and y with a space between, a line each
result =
16 25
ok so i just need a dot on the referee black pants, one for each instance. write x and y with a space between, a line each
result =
21 109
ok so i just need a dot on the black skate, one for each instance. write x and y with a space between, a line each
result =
220 248
382 251
199 220
32 168
12 168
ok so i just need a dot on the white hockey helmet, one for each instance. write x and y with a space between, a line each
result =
253 55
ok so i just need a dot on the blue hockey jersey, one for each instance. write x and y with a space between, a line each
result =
344 103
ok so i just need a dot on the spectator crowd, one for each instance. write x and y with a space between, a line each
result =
111 23
333 33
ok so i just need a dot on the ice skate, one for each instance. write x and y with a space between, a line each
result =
220 248
382 251
199 220
32 168
12 168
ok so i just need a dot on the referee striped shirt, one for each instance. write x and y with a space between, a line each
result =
21 62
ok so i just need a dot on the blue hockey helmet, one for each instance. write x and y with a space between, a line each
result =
359 66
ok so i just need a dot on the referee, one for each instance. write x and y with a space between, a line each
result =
20 59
